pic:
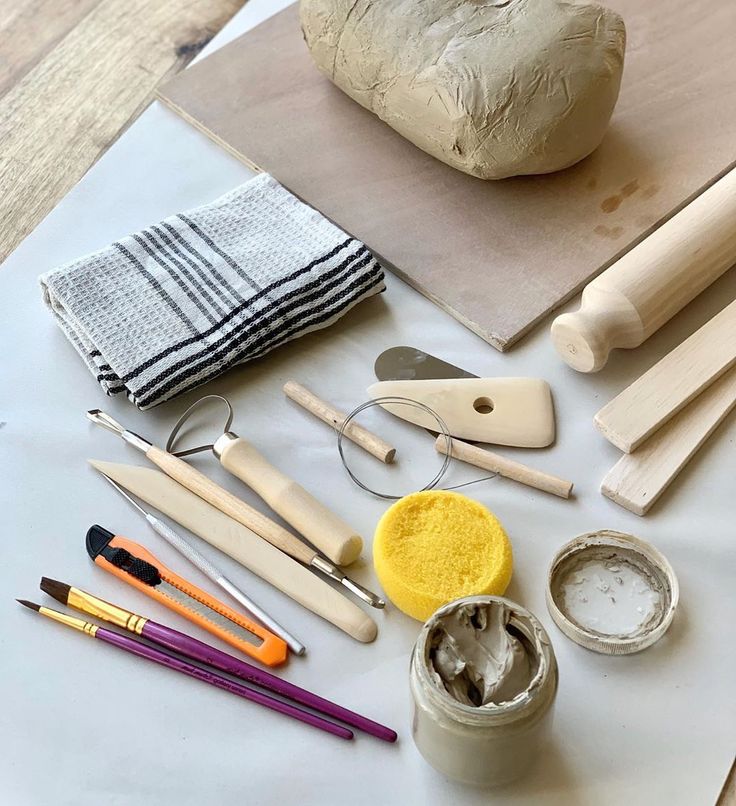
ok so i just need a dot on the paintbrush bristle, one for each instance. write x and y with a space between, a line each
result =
59 590
26 603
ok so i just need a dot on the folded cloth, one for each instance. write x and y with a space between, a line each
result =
174 305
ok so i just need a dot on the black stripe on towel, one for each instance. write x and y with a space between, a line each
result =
244 329
364 284
201 336
156 285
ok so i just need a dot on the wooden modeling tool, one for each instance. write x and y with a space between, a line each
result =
142 650
638 479
233 506
198 560
208 655
243 545
632 299
486 460
135 565
505 411
635 414
330 415
322 527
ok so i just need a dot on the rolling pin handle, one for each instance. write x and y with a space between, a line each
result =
582 341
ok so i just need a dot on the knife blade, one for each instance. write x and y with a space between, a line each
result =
411 364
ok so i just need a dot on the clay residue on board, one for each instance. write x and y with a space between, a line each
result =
485 654
610 592
612 203
650 191
609 232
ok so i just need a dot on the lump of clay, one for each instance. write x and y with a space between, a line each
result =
494 88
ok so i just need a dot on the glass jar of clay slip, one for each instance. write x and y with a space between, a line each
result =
483 677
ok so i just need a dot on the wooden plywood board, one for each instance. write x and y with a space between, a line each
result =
497 255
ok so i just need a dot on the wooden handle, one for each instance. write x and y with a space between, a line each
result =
226 502
295 505
330 415
651 283
243 545
486 460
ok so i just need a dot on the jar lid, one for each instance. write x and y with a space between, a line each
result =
611 592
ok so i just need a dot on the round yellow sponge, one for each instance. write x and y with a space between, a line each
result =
435 546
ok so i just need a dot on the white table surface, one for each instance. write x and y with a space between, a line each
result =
85 724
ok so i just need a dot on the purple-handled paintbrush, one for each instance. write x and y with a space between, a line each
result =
211 656
163 659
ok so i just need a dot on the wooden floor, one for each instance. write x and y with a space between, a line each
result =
73 75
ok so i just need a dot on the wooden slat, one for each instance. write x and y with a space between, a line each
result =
638 479
58 119
666 388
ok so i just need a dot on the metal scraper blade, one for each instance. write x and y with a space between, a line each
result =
411 364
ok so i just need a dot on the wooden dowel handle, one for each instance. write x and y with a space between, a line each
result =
332 416
231 505
486 460
303 511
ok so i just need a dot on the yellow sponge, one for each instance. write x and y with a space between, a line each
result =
436 546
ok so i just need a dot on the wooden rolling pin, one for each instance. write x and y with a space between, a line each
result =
651 283
322 527
330 415
486 460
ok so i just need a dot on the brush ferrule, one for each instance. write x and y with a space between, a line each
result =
70 621
111 613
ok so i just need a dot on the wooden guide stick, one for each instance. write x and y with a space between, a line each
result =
647 286
657 395
638 479
486 460
332 416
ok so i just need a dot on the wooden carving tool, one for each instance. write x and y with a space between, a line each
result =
330 415
631 417
632 299
242 544
505 411
638 479
504 467
231 505
320 525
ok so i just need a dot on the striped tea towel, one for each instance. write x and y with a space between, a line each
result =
176 304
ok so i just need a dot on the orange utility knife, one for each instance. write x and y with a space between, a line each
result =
135 565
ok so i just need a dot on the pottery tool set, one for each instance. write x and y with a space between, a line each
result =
234 507
415 113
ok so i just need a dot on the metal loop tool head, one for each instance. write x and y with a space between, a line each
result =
171 441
